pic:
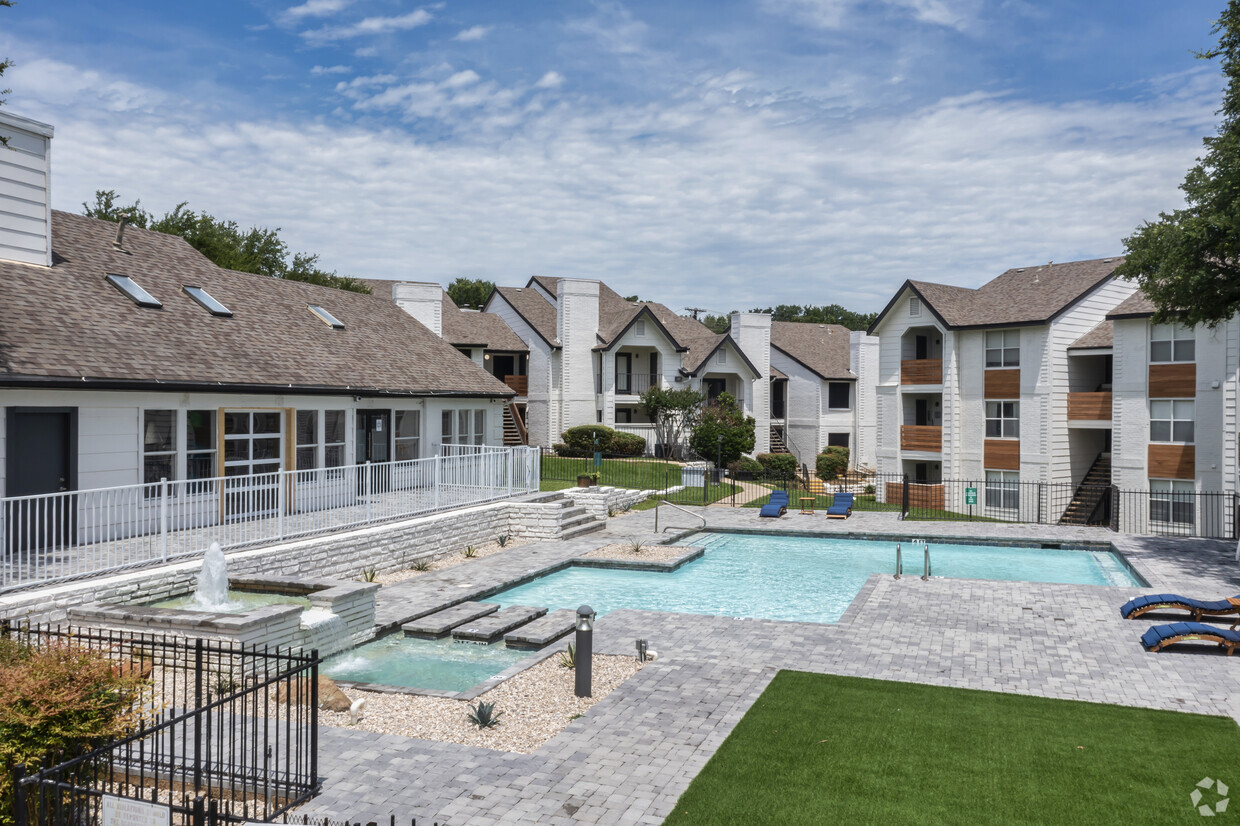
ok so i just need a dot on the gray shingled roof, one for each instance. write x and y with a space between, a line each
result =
470 327
537 311
1101 336
821 348
67 324
1136 305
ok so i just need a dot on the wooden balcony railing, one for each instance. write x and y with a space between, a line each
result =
519 384
921 371
921 437
1091 407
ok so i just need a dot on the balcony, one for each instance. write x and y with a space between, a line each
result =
921 437
1089 407
519 384
921 371
630 384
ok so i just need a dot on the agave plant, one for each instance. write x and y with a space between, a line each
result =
470 552
636 546
484 715
568 659
370 574
503 538
421 565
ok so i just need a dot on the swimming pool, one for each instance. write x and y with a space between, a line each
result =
442 665
798 578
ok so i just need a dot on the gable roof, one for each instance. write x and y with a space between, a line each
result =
67 326
1019 297
823 349
1101 336
1136 305
699 354
472 328
533 308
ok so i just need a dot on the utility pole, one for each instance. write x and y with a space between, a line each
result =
695 311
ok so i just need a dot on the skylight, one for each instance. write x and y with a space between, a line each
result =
326 317
130 288
208 301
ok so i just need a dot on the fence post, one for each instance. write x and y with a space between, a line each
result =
366 487
198 671
19 795
438 460
282 478
904 498
314 719
1041 491
199 815
163 517
1113 492
512 463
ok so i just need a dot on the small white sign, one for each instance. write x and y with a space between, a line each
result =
378 425
123 811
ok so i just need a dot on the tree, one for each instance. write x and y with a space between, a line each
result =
632 299
673 413
723 431
470 292
718 323
257 249
4 64
1188 263
826 314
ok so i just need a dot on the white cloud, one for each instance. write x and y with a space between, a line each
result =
365 51
465 78
369 26
551 80
473 33
314 8
56 83
831 14
331 70
614 27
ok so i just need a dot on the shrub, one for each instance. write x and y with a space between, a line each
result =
627 444
723 430
745 465
484 715
780 465
562 449
832 463
568 657
581 438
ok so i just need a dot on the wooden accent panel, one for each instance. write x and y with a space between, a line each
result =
921 371
1002 454
919 495
1003 384
1172 461
1173 381
921 437
519 384
1093 407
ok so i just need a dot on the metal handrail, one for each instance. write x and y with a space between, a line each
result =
899 562
926 566
677 507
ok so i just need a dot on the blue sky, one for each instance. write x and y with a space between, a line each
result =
725 155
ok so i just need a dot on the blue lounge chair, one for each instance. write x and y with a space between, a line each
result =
1134 608
777 505
841 506
1159 637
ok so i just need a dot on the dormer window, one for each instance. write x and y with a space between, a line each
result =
326 317
131 288
207 301
914 307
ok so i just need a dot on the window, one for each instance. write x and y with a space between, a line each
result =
1003 348
159 447
208 302
200 444
837 440
408 434
914 306
463 427
1002 420
251 442
138 295
307 439
1171 420
1172 342
623 415
639 329
838 395
723 356
326 317
1171 500
333 438
1002 489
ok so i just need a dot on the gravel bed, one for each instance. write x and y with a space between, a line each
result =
648 553
536 705
450 561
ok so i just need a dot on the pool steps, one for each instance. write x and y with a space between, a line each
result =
492 626
543 631
440 624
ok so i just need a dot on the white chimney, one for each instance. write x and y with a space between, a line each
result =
25 191
422 301
577 329
752 333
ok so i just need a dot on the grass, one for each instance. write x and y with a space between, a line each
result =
867 502
559 472
826 749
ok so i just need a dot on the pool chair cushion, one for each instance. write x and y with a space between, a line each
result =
841 506
776 507
1134 608
1159 637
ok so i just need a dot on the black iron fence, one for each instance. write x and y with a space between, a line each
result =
222 729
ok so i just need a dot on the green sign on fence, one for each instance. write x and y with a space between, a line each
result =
970 496
598 458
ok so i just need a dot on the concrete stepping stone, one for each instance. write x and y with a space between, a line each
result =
543 631
494 626
440 624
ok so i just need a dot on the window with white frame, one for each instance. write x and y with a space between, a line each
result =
253 442
1171 420
914 306
839 395
408 434
1171 500
1003 348
723 356
639 329
307 439
463 427
200 444
159 447
1002 420
1003 489
333 438
1171 343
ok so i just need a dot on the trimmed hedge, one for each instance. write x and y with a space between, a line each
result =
778 464
831 463
627 444
579 441
745 465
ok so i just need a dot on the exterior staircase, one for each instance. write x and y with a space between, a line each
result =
576 521
1082 510
514 427
777 440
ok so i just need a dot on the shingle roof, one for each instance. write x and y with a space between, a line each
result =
822 348
1136 305
537 311
1101 336
67 323
1026 295
470 327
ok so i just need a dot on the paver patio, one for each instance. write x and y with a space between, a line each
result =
629 759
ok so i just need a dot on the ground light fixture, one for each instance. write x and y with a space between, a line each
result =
584 650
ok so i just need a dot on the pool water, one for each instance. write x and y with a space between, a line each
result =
238 601
408 662
804 579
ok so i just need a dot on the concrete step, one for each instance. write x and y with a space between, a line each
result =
493 626
440 624
583 529
544 631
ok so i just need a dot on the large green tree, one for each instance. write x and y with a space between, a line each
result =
257 249
1188 262
723 431
470 292
673 413
808 314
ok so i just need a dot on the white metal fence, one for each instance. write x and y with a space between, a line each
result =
61 536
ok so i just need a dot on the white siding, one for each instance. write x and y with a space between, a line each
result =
538 421
25 191
577 328
1130 421
863 361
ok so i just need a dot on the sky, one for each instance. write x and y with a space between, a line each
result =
722 155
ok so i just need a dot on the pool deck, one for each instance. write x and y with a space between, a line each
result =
628 760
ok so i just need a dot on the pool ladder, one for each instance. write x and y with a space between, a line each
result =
926 571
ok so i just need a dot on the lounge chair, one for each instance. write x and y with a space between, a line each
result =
841 506
1159 637
777 505
1134 608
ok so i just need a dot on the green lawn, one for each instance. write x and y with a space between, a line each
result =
866 502
559 472
821 749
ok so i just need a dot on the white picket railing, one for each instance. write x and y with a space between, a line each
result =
62 536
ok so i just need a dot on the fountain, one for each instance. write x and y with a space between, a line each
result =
212 591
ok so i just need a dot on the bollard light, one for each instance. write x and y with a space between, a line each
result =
584 650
